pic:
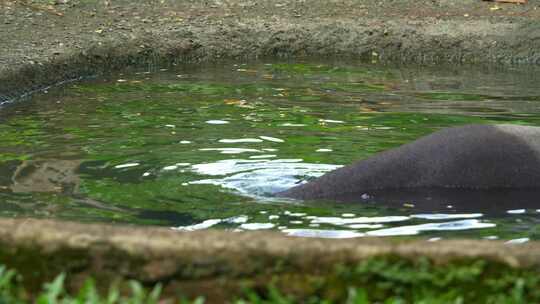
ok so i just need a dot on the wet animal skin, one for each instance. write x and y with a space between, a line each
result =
472 157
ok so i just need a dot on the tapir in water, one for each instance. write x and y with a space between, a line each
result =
472 167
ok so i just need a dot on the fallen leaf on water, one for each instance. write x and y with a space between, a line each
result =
237 102
233 101
247 71
366 109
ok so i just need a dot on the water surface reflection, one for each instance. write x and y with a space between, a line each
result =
209 149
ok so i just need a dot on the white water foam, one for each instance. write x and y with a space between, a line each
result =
128 165
445 216
257 226
445 226
272 139
240 140
200 226
217 122
322 233
254 177
517 241
239 219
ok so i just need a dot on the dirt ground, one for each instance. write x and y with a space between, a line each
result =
43 43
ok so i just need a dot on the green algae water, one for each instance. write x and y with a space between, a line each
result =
195 147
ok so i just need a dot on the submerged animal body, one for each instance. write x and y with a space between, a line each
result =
488 158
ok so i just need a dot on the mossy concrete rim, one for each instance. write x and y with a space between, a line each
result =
217 263
212 252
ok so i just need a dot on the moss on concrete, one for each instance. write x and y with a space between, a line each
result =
220 264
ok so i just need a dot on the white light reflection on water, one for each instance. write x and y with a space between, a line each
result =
272 139
297 214
258 177
240 140
292 125
217 122
204 225
128 165
263 177
331 121
444 216
257 226
516 211
341 233
321 233
445 226
517 241
240 219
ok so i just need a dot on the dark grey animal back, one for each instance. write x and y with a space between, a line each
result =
472 157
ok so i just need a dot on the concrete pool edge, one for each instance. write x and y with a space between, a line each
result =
153 254
486 39
22 81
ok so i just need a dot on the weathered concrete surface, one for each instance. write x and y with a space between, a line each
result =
195 262
38 47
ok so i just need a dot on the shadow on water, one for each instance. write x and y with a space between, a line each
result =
171 218
492 202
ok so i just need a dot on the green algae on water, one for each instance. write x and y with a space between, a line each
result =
212 144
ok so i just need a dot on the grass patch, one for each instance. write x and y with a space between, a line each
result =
376 280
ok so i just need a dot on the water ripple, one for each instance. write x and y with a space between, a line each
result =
358 220
321 233
444 216
445 226
259 177
240 140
